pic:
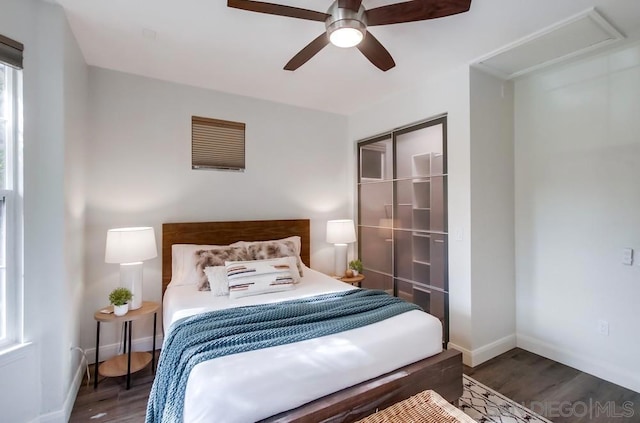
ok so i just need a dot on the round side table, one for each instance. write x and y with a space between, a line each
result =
356 280
129 362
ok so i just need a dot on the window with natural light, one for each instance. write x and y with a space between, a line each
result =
10 227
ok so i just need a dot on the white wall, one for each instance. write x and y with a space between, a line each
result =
447 94
492 217
43 374
577 161
139 173
76 99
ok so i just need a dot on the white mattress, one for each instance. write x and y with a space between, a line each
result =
254 385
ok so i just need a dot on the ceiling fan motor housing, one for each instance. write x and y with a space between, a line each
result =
346 18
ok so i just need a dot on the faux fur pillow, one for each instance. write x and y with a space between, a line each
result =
287 247
183 263
216 257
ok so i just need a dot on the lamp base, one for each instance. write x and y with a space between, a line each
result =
340 259
131 278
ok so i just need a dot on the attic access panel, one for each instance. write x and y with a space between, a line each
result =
577 35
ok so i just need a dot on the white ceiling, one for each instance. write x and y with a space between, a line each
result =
206 44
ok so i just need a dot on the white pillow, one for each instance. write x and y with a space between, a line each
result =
218 282
257 277
183 263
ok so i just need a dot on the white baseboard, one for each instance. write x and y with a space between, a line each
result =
628 378
111 350
106 351
466 354
63 415
52 417
74 388
478 356
494 349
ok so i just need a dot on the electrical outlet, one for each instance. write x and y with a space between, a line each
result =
603 327
627 256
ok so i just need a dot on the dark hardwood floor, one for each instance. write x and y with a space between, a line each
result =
112 402
560 393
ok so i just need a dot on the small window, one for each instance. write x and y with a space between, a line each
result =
10 185
217 144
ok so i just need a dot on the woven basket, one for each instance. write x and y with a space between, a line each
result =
425 407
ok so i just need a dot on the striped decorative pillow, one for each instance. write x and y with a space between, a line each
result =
261 276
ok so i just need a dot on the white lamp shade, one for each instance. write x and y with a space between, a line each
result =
130 245
341 231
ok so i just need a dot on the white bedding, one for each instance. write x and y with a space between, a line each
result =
254 385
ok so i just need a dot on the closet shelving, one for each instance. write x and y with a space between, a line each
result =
407 255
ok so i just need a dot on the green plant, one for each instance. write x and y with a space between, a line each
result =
120 296
355 265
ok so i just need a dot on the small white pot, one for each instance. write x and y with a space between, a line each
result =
120 310
355 272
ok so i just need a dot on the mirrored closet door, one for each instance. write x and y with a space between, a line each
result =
402 215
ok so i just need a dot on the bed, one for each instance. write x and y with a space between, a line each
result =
306 391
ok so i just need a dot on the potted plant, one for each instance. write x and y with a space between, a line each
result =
120 298
355 266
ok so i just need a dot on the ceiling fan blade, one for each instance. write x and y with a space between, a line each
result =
308 52
415 10
350 4
277 9
376 53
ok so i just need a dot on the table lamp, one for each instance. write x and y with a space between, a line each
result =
340 233
130 247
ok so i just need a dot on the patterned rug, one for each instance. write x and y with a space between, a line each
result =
484 404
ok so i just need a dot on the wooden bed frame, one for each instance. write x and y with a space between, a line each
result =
442 372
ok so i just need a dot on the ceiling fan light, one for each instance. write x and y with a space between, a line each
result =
346 37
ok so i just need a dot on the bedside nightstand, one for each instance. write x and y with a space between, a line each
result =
129 362
356 280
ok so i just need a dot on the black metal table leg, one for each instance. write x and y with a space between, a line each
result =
128 325
153 351
95 369
124 349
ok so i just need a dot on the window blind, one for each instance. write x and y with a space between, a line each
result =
11 52
217 144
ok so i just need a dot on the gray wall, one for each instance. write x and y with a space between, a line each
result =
139 173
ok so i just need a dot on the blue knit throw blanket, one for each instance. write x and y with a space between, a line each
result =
195 339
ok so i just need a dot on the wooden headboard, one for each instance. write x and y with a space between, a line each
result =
224 233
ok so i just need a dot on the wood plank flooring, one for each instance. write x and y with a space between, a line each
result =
112 402
551 389
558 392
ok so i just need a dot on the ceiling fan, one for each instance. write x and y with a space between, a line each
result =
346 24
